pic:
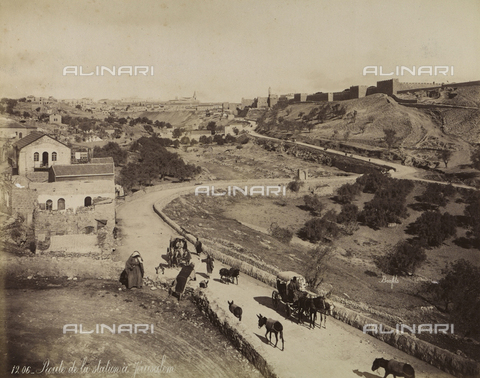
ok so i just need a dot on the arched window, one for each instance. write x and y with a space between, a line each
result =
88 201
54 156
20 135
36 156
61 204
49 205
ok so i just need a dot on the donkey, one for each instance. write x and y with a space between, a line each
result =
204 284
229 275
272 326
235 310
397 369
324 308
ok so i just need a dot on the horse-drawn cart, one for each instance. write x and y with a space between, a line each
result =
290 286
291 291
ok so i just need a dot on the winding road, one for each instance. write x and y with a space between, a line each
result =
336 351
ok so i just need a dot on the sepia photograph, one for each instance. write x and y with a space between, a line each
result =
240 188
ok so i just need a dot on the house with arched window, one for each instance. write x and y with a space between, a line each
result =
70 205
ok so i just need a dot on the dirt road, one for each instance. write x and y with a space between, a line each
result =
337 351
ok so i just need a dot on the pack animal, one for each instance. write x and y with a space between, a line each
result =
229 275
204 284
235 310
272 326
324 308
397 369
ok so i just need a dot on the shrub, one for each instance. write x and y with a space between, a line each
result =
320 229
282 234
313 203
295 186
243 139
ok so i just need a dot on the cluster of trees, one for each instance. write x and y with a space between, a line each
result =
389 203
113 150
7 105
154 163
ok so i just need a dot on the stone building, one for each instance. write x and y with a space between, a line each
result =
38 151
69 206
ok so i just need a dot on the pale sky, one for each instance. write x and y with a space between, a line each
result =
229 49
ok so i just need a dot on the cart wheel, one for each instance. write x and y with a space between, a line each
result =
289 310
275 299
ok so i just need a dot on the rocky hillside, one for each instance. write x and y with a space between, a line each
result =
420 132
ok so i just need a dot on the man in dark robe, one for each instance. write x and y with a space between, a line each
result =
135 271
198 247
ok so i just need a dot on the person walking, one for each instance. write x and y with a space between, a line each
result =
209 261
134 270
198 247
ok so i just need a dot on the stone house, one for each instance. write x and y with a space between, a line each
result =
69 207
38 151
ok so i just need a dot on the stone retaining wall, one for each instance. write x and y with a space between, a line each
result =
440 358
218 318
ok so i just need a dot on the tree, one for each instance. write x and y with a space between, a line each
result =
315 271
437 194
459 292
433 228
445 155
113 150
236 130
212 126
177 133
403 258
347 192
320 229
346 135
390 137
217 138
